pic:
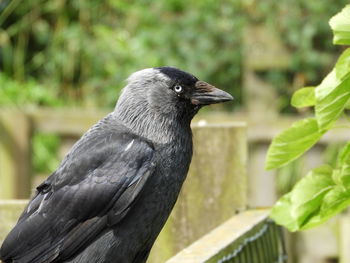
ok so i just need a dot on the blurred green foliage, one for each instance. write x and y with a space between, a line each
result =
79 52
16 92
58 53
45 157
83 50
303 27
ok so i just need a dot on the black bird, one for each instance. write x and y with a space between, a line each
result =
113 192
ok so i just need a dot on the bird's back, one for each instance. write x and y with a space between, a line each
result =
106 202
132 238
92 190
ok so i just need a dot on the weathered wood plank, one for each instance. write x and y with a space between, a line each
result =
74 122
264 130
67 121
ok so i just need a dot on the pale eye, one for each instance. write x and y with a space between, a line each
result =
178 88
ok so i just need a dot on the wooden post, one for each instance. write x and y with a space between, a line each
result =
214 190
15 163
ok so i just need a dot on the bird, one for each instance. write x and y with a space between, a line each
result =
113 192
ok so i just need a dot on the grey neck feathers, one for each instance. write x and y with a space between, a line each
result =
153 124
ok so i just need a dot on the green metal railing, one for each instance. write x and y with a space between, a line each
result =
264 246
250 237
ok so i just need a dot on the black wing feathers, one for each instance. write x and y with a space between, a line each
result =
92 189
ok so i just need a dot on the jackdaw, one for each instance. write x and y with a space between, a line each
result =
113 192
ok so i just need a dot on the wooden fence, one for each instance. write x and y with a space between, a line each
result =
16 175
18 126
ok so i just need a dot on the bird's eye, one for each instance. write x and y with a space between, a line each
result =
178 88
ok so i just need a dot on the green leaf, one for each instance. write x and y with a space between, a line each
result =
338 198
308 195
342 67
328 84
334 202
345 176
343 164
314 182
344 155
304 97
347 105
281 213
303 204
331 98
293 142
321 194
340 24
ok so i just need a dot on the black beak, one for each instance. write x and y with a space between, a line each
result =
206 94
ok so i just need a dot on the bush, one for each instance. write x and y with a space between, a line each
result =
83 50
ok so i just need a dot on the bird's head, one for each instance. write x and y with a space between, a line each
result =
165 94
168 90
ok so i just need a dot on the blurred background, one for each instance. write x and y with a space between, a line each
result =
63 64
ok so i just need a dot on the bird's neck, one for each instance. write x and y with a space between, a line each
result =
155 126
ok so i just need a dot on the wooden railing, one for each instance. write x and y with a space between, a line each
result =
18 126
247 237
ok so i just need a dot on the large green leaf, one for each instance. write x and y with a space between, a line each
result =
340 24
281 213
332 96
342 67
343 164
344 155
307 196
313 183
293 142
301 208
328 84
304 97
321 194
347 105
334 201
